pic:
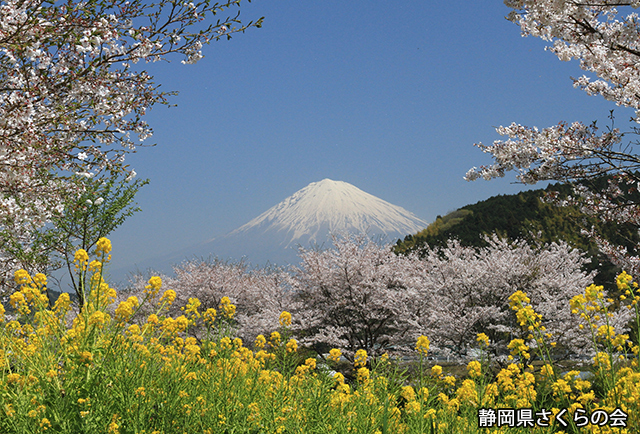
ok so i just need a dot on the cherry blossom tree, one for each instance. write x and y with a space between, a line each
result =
260 295
603 35
72 100
357 295
352 296
465 291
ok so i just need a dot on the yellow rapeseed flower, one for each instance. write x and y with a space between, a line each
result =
134 301
362 375
182 323
310 362
468 392
422 345
210 316
225 343
237 343
114 428
602 359
62 304
606 331
518 348
546 371
155 282
260 342
474 368
45 424
17 299
124 310
262 356
227 308
98 317
169 296
292 346
586 398
413 407
335 354
86 357
619 341
103 246
81 259
483 339
21 277
95 265
360 358
436 371
560 387
580 384
449 380
13 378
275 339
623 280
594 292
301 371
518 298
408 393
134 330
192 307
154 285
40 280
285 319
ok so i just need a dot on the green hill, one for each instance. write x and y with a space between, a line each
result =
524 215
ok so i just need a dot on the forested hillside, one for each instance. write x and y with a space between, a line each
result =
525 215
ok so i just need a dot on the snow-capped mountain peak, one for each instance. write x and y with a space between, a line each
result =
327 206
306 218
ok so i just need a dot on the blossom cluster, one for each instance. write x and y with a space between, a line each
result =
360 295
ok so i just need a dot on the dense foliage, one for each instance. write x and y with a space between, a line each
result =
182 361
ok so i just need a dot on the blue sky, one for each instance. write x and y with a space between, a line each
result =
389 97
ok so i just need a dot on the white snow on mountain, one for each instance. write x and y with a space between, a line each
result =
305 219
330 206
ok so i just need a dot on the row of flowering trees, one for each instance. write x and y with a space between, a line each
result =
360 295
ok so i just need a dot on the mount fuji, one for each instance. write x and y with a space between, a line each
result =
307 218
